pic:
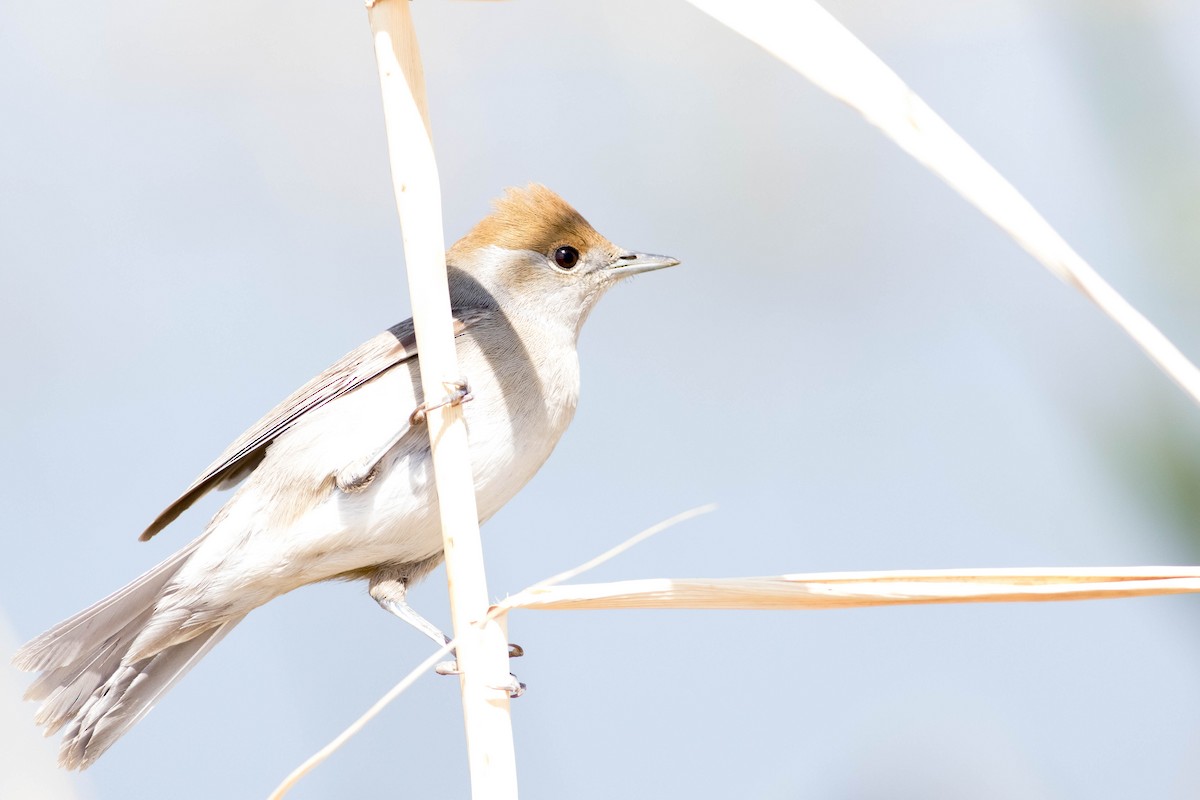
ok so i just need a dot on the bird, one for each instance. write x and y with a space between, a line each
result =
336 482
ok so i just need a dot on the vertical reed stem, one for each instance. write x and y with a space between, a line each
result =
482 651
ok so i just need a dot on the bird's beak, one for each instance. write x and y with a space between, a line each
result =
635 263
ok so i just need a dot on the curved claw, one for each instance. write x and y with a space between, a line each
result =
514 687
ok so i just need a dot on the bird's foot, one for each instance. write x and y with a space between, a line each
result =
513 686
457 393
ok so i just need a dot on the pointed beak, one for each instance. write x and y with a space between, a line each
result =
635 263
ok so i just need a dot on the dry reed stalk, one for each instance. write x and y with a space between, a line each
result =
862 589
807 38
315 760
805 591
481 649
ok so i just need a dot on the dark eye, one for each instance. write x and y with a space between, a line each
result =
566 257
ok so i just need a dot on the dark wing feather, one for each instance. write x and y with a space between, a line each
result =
394 346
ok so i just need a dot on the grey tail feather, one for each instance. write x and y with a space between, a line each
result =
87 682
128 694
79 638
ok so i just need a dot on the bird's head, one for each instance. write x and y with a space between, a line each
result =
536 254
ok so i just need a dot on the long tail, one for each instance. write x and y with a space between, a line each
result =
88 684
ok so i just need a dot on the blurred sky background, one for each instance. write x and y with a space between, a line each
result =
196 217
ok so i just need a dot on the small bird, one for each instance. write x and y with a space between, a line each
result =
336 481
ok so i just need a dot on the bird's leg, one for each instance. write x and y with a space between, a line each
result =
391 594
357 476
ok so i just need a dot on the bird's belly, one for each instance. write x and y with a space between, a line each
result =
395 518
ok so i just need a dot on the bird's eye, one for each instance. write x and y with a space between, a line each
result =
566 257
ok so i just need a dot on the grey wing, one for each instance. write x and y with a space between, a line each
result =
394 346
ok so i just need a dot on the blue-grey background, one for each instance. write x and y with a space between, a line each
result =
196 216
